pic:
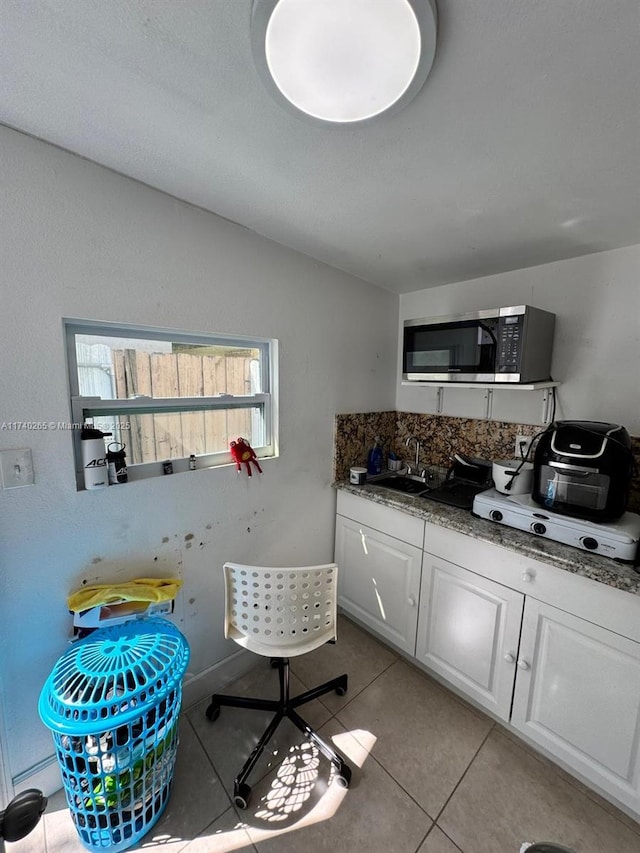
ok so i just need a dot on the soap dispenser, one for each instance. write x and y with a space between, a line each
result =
374 459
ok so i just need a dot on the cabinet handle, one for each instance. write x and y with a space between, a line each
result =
527 577
411 601
509 658
523 664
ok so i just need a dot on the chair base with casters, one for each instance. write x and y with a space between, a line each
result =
259 602
283 707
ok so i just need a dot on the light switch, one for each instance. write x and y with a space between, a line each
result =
16 467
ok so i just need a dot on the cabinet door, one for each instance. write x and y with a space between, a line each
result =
379 581
578 695
468 632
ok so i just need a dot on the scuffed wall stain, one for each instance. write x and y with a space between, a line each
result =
169 557
122 568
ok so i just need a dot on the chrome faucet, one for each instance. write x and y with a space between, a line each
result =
416 469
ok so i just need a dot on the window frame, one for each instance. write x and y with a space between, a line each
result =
90 408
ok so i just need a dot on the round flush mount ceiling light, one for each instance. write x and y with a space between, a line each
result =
344 61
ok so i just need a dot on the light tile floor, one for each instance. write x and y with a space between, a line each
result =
430 775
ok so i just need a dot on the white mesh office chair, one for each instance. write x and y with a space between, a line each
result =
281 613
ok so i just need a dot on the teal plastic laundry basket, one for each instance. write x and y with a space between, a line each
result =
112 702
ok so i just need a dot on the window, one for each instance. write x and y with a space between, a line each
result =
167 395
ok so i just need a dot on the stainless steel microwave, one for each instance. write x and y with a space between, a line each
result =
502 345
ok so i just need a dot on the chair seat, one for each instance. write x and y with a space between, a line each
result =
280 612
280 650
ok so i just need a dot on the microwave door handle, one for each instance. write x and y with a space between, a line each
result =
488 330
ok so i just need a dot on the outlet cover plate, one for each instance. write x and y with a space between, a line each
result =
16 467
523 443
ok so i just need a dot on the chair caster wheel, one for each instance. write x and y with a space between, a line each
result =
241 796
343 777
341 689
212 713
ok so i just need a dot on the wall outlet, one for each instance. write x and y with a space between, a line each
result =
523 443
16 467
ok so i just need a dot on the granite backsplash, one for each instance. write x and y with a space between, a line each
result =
440 436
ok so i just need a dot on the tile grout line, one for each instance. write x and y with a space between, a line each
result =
459 782
439 828
434 824
479 712
370 755
231 806
399 784
355 695
565 776
495 726
424 837
206 755
335 716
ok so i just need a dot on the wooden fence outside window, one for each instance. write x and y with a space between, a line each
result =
168 436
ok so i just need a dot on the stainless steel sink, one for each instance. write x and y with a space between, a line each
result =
434 486
407 483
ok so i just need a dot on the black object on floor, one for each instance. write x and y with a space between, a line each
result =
21 815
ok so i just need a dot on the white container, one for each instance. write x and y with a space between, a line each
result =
357 476
94 463
511 479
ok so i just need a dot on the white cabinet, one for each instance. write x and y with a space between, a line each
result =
379 581
554 655
577 694
468 632
379 574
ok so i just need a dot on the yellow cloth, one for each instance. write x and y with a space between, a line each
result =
139 589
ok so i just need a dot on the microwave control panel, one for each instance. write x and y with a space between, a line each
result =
510 344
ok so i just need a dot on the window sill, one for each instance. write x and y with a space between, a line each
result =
154 470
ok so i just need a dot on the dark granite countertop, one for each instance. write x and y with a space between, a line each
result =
602 569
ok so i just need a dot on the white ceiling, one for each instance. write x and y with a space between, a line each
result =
522 148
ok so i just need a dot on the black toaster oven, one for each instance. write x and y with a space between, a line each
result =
583 469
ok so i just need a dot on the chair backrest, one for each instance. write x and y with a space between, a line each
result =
280 612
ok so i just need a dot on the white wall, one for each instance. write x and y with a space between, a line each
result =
80 241
596 355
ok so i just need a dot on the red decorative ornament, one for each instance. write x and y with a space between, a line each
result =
242 452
